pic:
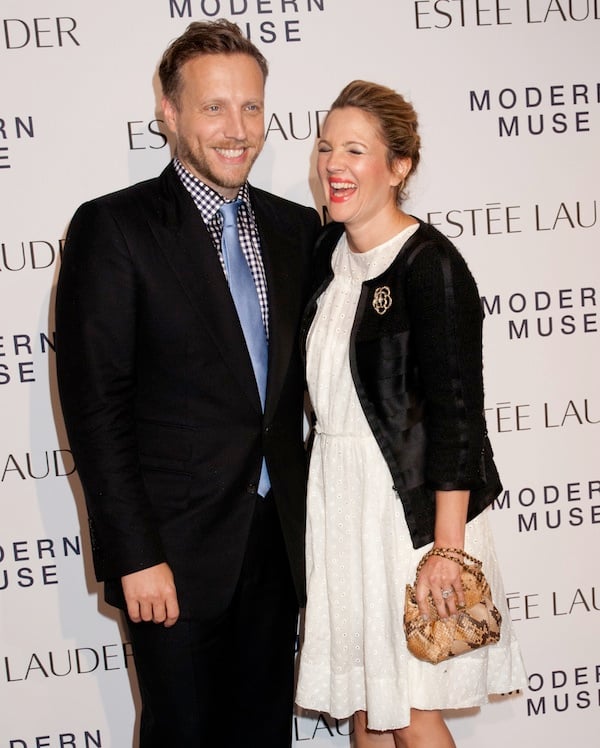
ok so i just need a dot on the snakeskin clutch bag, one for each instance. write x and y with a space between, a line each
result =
476 624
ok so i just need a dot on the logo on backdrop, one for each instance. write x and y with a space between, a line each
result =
538 110
42 665
262 21
55 463
14 131
58 32
461 14
498 219
79 739
544 313
145 135
36 254
574 504
562 690
576 603
510 417
307 728
23 357
31 563
149 141
290 126
152 134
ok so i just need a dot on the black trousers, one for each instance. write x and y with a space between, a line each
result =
227 681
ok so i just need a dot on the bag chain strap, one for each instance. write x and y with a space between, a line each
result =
451 554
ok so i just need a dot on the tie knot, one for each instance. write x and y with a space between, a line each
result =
229 212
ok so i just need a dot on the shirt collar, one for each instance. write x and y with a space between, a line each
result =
207 200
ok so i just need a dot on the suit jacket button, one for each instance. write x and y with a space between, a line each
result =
252 488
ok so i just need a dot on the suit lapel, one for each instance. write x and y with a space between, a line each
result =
190 251
284 282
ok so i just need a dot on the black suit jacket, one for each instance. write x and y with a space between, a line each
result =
158 393
417 369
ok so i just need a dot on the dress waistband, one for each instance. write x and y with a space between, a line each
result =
342 435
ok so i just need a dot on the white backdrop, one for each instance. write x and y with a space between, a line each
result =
508 94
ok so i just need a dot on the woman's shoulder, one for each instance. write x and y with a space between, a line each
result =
430 249
436 271
431 242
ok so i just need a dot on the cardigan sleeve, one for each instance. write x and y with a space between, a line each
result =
446 338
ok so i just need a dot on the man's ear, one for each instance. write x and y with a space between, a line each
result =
170 113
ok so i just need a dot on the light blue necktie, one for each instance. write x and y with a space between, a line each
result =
245 298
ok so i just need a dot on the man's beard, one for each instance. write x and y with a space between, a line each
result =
203 169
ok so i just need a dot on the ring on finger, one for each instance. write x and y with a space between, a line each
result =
446 593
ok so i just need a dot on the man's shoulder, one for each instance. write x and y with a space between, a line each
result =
130 207
147 191
122 199
276 203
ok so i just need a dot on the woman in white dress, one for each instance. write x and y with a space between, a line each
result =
400 459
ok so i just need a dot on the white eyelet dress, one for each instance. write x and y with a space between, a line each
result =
359 554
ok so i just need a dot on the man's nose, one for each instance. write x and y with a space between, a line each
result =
235 126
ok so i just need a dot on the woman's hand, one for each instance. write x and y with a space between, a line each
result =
440 577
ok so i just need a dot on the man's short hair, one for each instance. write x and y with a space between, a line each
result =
204 38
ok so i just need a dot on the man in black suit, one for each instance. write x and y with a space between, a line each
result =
194 477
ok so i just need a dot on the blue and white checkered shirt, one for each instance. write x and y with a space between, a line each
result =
208 203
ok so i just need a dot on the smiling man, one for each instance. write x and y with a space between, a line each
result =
177 311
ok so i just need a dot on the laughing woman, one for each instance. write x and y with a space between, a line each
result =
400 458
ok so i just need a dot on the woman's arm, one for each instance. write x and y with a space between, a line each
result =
445 314
439 574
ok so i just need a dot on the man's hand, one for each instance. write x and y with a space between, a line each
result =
150 595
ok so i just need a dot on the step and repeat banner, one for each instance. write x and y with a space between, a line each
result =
508 93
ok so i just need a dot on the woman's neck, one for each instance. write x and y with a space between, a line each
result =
378 231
